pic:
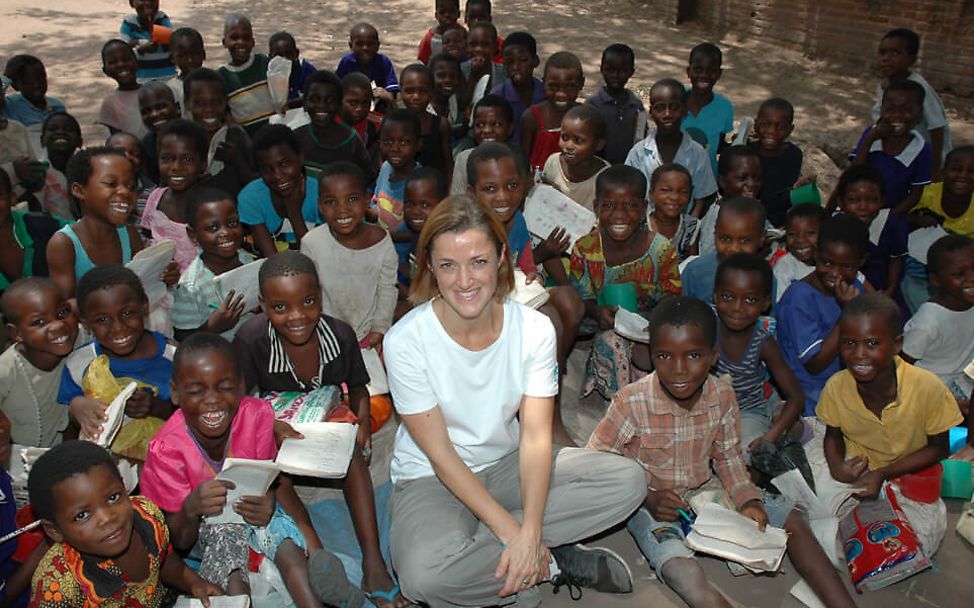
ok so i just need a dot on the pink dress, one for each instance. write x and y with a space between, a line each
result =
164 229
176 463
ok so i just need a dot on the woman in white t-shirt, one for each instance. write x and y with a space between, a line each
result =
479 497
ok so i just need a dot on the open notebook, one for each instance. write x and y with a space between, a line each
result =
116 415
250 477
531 294
730 535
325 451
242 280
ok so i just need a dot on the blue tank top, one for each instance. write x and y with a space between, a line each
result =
83 263
748 373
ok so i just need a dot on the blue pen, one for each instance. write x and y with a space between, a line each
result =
684 515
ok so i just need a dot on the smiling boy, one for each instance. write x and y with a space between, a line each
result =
682 425
245 76
364 57
886 419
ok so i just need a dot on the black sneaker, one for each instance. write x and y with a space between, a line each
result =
594 568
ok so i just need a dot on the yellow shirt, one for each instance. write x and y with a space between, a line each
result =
923 407
930 199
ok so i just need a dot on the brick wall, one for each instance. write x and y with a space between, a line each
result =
847 32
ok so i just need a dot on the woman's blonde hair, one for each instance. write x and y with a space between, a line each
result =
457 214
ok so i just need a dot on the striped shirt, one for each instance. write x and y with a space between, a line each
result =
248 95
747 374
155 65
676 446
328 350
197 297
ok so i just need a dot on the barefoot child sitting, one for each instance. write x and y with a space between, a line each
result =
293 346
678 422
215 421
886 419
109 549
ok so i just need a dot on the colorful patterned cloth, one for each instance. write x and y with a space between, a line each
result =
66 578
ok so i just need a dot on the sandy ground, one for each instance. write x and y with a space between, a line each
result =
830 108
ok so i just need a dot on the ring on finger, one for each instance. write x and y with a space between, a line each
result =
525 581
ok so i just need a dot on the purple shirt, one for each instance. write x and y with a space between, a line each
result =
507 91
380 71
908 169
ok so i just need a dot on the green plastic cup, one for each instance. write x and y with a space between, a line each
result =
806 195
958 480
622 295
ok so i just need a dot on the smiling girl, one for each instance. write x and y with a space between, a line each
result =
622 249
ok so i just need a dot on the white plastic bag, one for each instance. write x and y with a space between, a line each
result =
278 77
267 589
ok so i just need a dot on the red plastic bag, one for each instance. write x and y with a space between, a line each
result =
880 545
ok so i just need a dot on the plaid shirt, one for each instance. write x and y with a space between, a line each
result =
675 446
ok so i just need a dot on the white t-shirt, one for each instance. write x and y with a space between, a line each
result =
942 341
479 393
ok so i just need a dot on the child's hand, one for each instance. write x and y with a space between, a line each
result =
606 316
771 437
845 292
374 340
871 483
256 510
363 440
202 590
208 498
283 430
384 95
665 505
90 414
139 404
30 172
753 509
881 130
225 152
534 277
965 453
479 65
145 46
811 178
170 276
851 470
553 246
227 315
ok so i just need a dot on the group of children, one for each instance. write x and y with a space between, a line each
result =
806 309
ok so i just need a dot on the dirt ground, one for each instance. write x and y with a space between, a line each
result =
831 109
